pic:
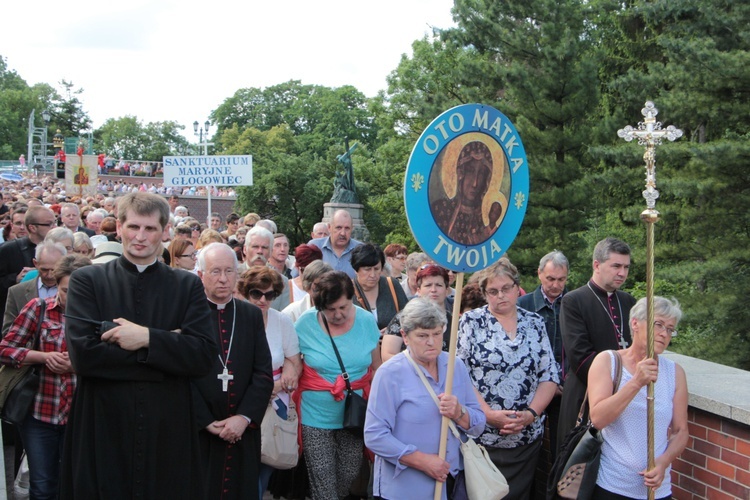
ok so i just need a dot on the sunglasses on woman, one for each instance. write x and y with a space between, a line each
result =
257 294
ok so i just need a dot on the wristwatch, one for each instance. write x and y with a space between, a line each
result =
463 412
533 413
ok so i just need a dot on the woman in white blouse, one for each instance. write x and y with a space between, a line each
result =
260 286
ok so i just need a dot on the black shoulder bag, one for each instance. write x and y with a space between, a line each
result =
355 406
576 466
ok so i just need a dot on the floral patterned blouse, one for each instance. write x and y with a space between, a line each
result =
507 372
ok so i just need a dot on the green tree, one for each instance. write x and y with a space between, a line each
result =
441 73
547 85
121 137
164 139
691 59
128 138
289 185
67 111
17 101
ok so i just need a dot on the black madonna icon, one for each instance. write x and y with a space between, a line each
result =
466 187
467 195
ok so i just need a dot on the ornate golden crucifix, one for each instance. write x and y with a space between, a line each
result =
650 134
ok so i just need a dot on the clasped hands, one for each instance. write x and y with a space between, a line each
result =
230 429
511 421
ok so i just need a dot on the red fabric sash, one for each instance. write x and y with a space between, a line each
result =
310 380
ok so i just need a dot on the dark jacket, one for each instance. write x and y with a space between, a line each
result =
386 308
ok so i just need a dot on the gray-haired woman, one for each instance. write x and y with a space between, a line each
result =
621 417
403 422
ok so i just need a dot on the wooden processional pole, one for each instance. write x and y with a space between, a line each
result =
449 374
650 135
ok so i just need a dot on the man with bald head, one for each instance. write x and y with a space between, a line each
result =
337 248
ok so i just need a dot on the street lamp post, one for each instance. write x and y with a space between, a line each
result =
203 141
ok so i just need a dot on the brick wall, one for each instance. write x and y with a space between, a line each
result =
716 462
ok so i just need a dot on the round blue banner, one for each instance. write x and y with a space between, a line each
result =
467 187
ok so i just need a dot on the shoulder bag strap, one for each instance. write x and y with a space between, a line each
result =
393 293
38 331
615 385
361 295
618 372
429 389
344 373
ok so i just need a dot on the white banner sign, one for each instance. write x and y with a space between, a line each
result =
219 170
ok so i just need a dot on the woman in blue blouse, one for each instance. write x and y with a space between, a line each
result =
511 364
403 421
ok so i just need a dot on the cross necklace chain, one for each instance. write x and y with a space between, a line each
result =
225 376
618 329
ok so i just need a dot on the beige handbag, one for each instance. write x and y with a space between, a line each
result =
483 480
278 438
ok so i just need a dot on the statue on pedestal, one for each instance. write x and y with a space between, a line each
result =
344 189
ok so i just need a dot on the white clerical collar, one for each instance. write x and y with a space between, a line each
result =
220 307
143 267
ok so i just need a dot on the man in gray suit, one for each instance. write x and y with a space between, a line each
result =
47 255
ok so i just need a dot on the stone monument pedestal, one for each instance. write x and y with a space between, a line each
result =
359 230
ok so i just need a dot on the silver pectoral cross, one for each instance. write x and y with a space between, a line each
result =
623 344
225 377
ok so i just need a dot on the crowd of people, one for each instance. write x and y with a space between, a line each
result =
164 340
122 186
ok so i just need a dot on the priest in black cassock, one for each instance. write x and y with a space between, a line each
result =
593 318
131 431
231 400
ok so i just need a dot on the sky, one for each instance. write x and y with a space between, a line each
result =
178 60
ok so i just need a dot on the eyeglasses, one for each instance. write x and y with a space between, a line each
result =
257 294
249 226
193 255
493 292
215 273
48 224
18 223
195 228
399 257
661 327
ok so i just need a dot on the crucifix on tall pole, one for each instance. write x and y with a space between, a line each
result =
650 134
